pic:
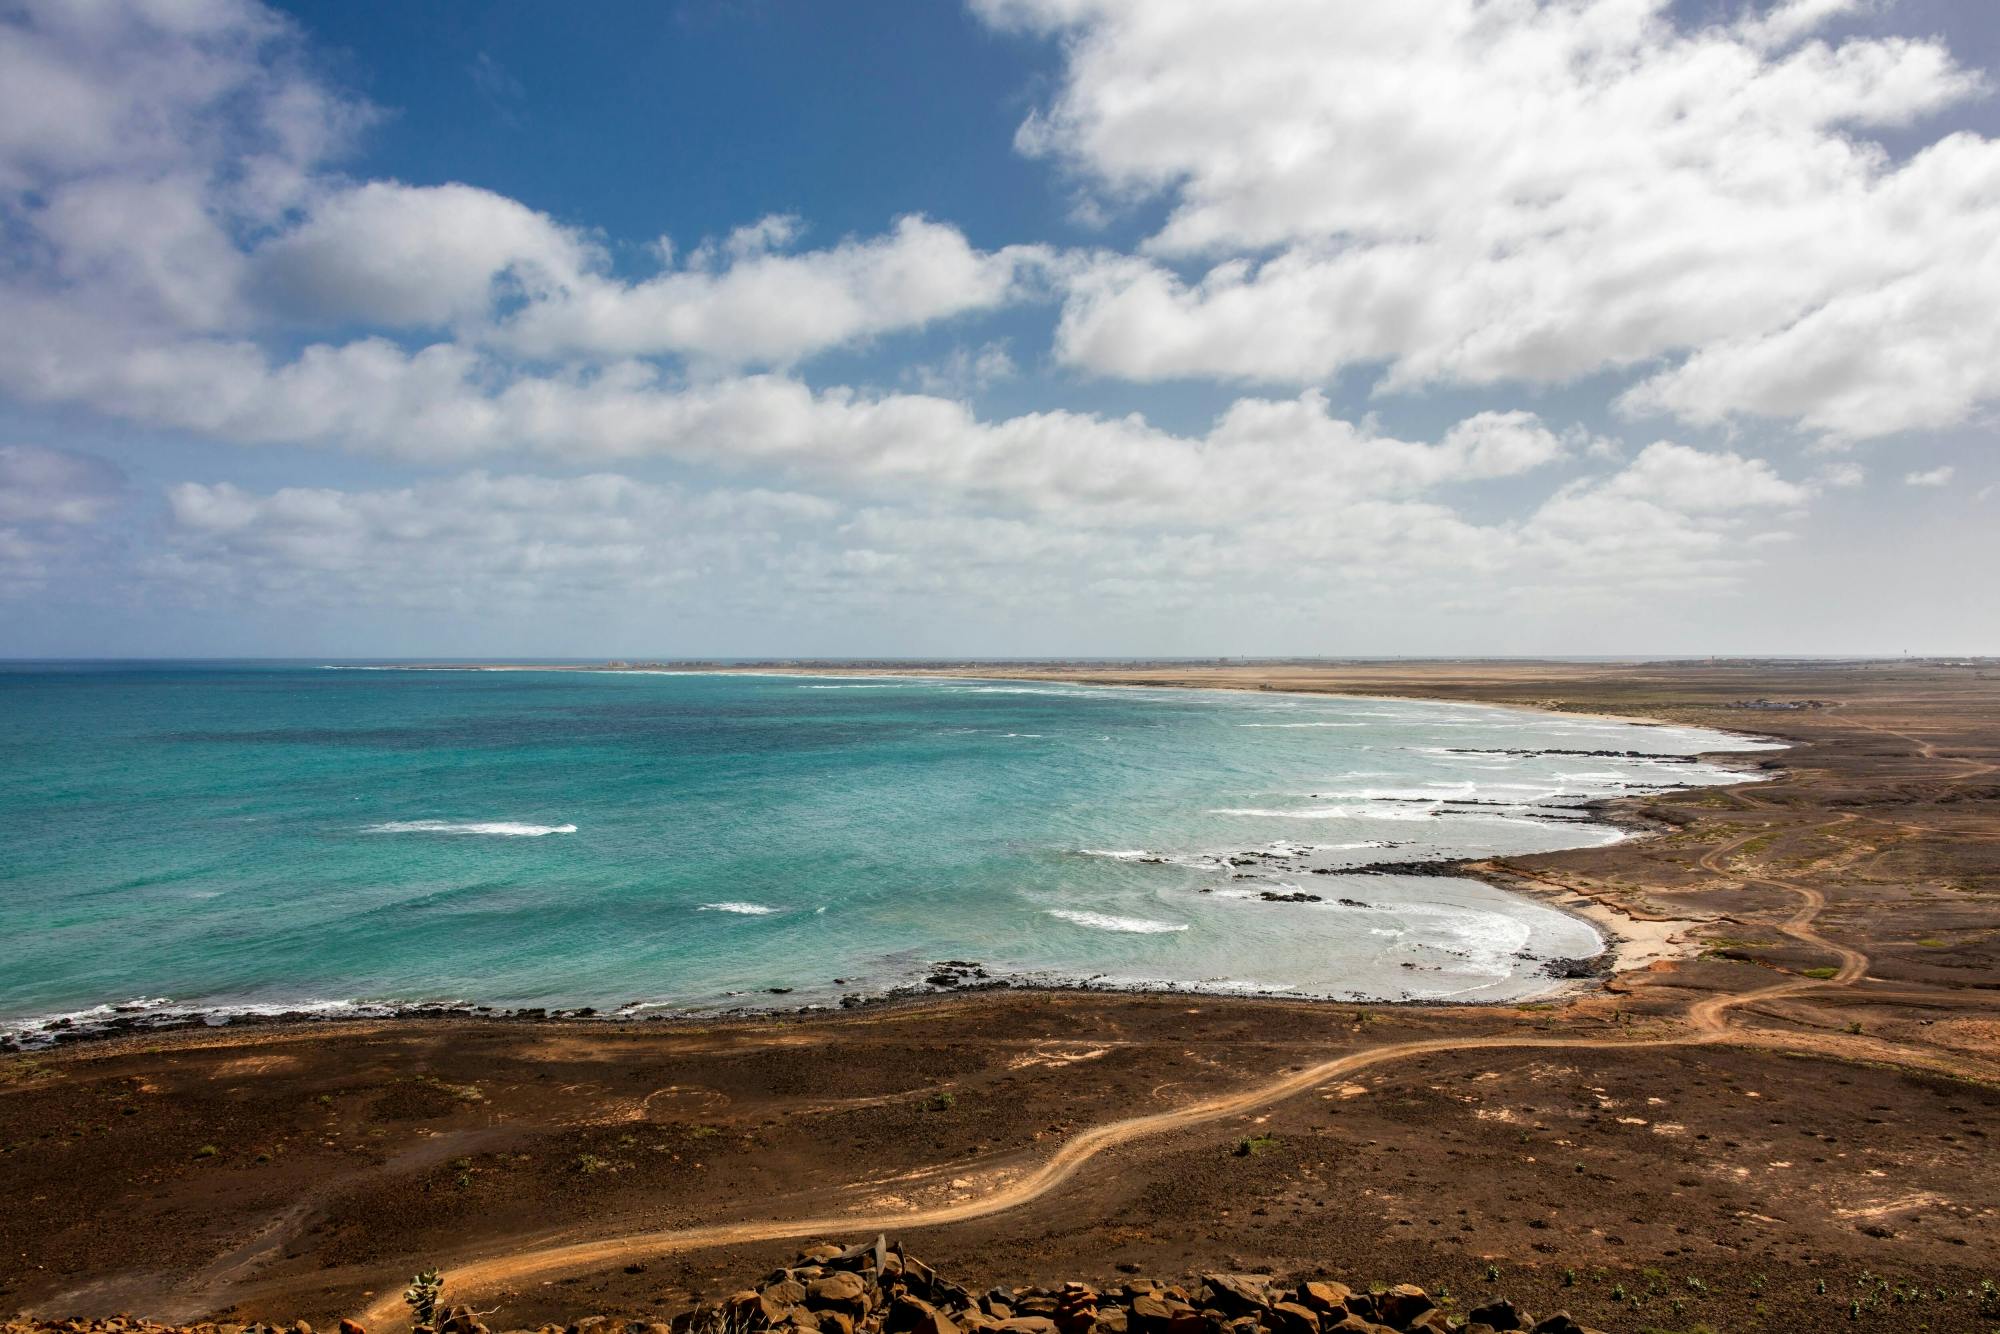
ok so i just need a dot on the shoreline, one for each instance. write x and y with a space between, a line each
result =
1827 1039
1626 941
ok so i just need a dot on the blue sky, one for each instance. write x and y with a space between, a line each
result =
1023 327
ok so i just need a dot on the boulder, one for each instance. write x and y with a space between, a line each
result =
1324 1296
751 1309
1235 1294
1560 1323
914 1315
1499 1316
842 1289
1291 1318
1401 1305
1027 1324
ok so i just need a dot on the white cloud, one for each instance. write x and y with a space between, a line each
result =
1672 518
56 486
445 402
965 371
50 499
1933 477
1473 192
183 230
476 540
165 168
760 306
404 256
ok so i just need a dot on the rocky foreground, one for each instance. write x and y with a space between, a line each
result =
874 1288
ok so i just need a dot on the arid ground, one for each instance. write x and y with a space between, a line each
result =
1786 1127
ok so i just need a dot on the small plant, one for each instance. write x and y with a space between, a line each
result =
1493 1273
207 1151
1819 974
590 1164
426 1290
1855 1028
1569 1278
1254 1145
462 1092
942 1101
1618 1293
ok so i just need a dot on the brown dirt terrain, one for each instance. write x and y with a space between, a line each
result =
1792 1119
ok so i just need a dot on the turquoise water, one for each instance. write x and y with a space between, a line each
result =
237 837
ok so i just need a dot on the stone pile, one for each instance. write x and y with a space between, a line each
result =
875 1288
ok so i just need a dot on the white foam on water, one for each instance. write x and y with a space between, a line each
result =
1290 725
497 828
1331 812
161 1011
1200 861
1138 926
737 906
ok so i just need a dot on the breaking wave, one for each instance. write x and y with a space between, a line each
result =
1138 926
498 828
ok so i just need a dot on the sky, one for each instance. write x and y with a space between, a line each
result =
1003 328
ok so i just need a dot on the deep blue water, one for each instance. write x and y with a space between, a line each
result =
254 835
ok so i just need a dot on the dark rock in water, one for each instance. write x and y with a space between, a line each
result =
1353 903
1453 867
779 991
942 980
1297 896
1595 966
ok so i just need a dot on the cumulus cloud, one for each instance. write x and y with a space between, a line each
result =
1472 193
168 171
1930 477
1673 519
755 304
404 256
444 402
193 260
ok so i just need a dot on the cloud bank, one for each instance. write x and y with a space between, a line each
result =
1451 202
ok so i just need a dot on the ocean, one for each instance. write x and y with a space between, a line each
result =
222 839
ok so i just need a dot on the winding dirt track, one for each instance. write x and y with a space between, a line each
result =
1707 1022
